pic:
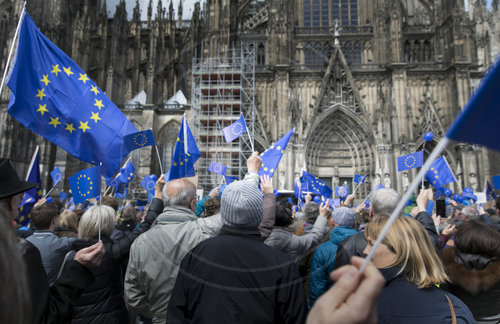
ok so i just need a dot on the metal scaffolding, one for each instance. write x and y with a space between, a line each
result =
222 88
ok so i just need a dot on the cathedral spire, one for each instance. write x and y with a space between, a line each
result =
150 12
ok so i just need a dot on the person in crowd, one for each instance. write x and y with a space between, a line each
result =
412 269
212 207
156 255
200 206
311 213
466 214
234 277
382 204
103 302
473 266
323 261
127 219
291 244
52 248
47 305
353 297
68 224
111 202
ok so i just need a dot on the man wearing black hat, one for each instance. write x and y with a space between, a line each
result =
54 305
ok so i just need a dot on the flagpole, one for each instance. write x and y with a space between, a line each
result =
32 162
423 152
356 188
402 202
100 208
159 160
12 47
48 193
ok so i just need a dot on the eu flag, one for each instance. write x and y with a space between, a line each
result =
315 185
126 173
186 153
140 139
410 161
342 192
56 175
272 156
140 204
112 182
440 173
63 196
31 196
235 130
490 193
56 99
85 184
217 168
496 181
230 179
149 183
478 122
359 178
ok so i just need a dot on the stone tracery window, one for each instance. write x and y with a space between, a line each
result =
323 13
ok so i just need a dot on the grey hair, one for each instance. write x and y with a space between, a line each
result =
470 213
311 211
185 195
384 201
88 228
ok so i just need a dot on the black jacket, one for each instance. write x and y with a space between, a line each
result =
403 302
475 280
354 245
103 301
52 305
234 278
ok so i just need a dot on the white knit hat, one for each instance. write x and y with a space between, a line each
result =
241 204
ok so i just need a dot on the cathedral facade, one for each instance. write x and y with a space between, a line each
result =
361 81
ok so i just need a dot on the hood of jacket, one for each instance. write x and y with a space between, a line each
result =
470 279
340 233
175 215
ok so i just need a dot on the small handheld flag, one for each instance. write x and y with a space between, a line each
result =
271 157
496 182
186 153
56 175
63 196
315 185
342 192
149 183
490 193
86 184
140 139
440 173
359 178
235 130
217 168
230 179
126 173
410 161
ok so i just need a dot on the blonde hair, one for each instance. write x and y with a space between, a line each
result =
89 223
415 255
69 220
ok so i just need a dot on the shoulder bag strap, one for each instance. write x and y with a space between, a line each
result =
453 316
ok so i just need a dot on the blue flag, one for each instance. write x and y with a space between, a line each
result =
56 175
149 183
478 122
140 204
186 154
342 192
410 161
377 187
31 196
140 139
126 173
230 179
296 189
440 173
217 168
121 195
315 185
359 178
54 98
112 182
63 196
272 156
86 184
496 181
490 193
235 130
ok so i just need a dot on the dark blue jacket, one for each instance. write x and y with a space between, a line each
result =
324 262
404 302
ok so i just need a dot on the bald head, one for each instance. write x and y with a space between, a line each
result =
179 192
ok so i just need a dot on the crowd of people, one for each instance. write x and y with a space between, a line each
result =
244 255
